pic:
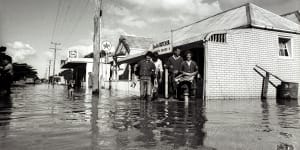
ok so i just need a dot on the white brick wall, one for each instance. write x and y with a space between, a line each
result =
230 71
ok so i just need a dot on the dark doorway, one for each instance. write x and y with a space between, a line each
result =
197 49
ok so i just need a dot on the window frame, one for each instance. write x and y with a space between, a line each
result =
289 48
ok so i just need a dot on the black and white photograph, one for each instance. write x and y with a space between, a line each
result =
149 74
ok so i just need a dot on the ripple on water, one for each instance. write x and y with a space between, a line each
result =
42 117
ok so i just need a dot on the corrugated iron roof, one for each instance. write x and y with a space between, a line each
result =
245 16
293 16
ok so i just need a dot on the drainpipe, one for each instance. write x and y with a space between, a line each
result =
204 92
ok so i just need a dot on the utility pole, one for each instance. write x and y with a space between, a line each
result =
55 49
49 71
96 46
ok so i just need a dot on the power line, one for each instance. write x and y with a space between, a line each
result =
78 19
57 14
66 14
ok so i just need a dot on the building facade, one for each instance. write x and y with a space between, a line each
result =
230 64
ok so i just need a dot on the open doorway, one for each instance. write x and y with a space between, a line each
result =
197 49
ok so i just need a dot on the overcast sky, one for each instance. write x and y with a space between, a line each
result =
28 26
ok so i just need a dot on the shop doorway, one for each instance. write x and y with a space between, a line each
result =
198 51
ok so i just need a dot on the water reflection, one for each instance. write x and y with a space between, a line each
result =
159 124
94 123
5 115
47 119
265 116
288 117
288 114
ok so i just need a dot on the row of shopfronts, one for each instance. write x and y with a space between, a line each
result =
226 48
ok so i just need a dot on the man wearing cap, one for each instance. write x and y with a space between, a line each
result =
146 70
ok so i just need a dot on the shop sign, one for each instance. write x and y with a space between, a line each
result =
106 45
162 47
73 54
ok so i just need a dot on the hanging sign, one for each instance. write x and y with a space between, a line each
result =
106 46
73 54
162 47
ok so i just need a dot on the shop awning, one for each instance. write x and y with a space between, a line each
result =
75 62
132 58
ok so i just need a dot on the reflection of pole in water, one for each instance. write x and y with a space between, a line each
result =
94 123
265 112
198 121
186 127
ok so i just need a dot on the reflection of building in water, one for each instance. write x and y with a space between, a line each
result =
287 113
154 125
5 115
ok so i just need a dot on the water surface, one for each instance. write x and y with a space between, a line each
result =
43 117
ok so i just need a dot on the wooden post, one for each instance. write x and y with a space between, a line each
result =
264 92
166 83
96 47
129 72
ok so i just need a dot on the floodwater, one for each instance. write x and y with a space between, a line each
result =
43 117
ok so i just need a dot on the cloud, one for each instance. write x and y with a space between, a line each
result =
20 51
277 6
133 21
143 15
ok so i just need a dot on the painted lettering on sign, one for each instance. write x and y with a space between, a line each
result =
162 47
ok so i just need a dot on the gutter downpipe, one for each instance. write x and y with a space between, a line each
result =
204 92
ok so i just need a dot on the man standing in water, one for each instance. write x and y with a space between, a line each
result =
146 70
188 69
158 74
174 64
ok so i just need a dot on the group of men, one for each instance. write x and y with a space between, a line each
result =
181 74
6 71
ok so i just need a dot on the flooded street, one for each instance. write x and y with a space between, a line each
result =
42 117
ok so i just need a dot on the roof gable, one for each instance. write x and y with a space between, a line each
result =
128 43
266 19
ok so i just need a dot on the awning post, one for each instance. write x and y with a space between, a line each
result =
166 83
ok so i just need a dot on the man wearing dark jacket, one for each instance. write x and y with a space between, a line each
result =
189 70
174 64
146 70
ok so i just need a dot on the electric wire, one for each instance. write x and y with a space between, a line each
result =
77 21
56 18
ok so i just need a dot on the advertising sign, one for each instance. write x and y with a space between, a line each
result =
73 54
162 47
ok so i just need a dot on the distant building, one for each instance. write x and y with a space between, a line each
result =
129 46
293 16
80 67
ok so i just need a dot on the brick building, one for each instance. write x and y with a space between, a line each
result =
227 46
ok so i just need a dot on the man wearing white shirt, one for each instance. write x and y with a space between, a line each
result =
158 74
